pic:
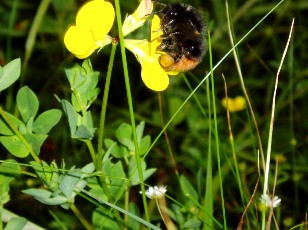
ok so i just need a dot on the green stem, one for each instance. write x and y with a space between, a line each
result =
30 42
98 168
238 177
104 108
85 223
1 210
18 134
131 109
216 135
10 29
126 206
92 153
160 213
208 196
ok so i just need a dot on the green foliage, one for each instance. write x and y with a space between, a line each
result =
83 81
62 185
9 169
9 73
101 219
188 189
27 103
16 223
124 146
132 223
81 126
133 173
33 130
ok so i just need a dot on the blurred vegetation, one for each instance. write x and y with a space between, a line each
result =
259 54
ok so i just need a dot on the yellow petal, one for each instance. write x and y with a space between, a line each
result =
236 104
138 47
138 18
156 32
144 9
96 16
153 76
79 41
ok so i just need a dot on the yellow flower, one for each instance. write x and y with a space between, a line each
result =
93 22
234 105
138 18
152 73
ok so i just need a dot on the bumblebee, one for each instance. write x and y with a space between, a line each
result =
182 40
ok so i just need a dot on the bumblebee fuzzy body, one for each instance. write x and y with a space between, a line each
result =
182 38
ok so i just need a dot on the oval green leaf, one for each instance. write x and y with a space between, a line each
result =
9 73
45 121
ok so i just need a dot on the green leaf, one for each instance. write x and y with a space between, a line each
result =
74 77
75 103
145 144
98 191
49 174
42 169
8 170
14 145
45 196
177 215
74 180
83 132
139 131
87 169
9 73
192 224
46 120
36 141
27 103
118 179
124 133
86 120
71 114
124 136
117 151
133 172
188 189
68 184
22 129
108 152
83 81
101 220
132 223
29 126
16 223
4 128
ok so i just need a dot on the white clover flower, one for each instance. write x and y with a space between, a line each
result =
155 192
267 201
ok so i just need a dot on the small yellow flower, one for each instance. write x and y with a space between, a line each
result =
152 73
234 105
93 22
